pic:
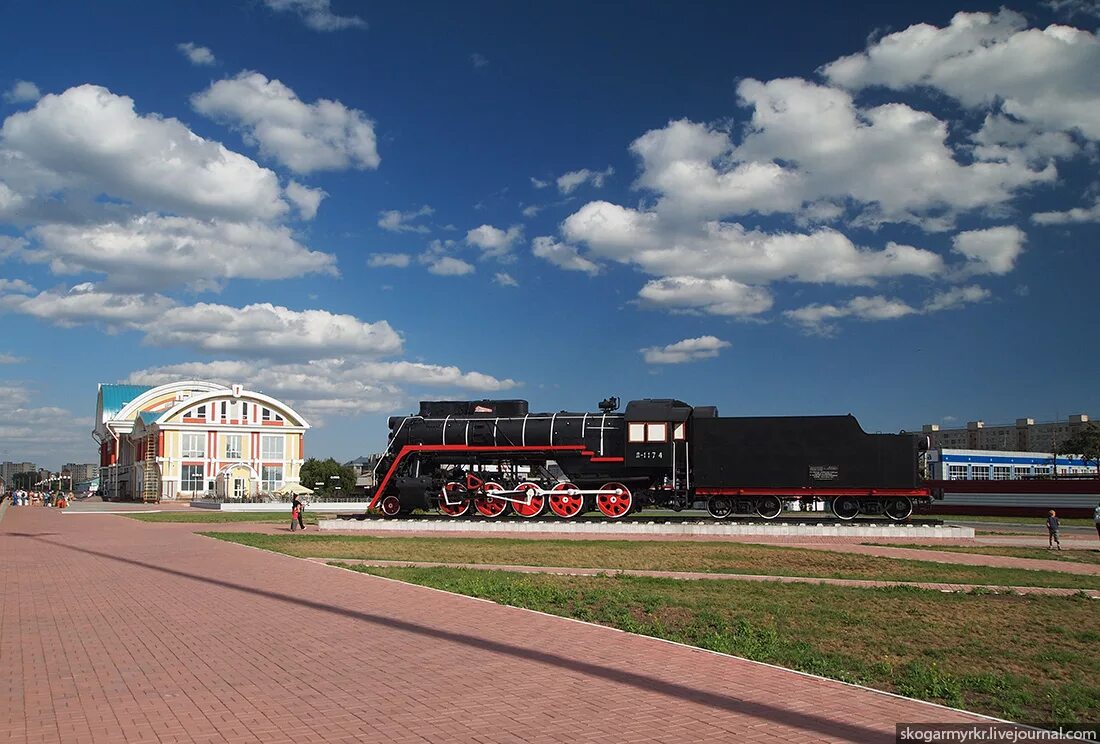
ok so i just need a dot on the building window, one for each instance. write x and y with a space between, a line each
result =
194 445
233 446
1042 470
265 414
271 477
191 478
1023 472
956 472
1002 472
979 472
637 432
271 447
225 411
200 412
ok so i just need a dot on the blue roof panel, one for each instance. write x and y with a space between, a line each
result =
115 397
149 416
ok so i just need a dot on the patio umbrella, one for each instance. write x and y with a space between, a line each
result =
292 488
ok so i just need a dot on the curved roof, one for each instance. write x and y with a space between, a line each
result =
113 398
293 417
151 396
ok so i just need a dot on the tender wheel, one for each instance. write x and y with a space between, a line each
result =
488 505
899 508
769 507
615 500
720 507
537 505
456 493
391 506
846 507
564 502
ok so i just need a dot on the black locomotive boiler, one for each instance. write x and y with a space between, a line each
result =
494 457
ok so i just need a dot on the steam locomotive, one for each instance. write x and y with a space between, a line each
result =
494 457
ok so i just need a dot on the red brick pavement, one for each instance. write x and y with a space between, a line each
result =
118 631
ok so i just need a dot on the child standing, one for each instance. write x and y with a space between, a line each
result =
1052 531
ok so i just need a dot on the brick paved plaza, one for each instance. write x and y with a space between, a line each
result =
118 631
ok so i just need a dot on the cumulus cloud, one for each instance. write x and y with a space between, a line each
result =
449 266
22 91
325 387
87 141
306 199
494 242
563 256
1076 215
715 296
478 60
397 221
539 183
155 252
818 318
571 181
40 433
1041 76
688 350
388 260
85 304
306 137
11 359
317 14
505 280
990 251
198 55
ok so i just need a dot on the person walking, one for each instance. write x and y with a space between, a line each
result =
1096 519
1052 531
296 509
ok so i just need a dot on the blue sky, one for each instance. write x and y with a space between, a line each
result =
873 208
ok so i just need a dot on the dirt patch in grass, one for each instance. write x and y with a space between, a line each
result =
1069 556
715 557
947 648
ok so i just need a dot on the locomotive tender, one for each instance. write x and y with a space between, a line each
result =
492 457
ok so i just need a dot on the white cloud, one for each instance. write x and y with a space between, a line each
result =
505 280
15 286
22 91
398 221
449 266
88 142
688 350
391 260
728 249
84 304
317 14
11 359
478 60
562 255
531 210
199 55
818 318
716 296
569 182
271 330
494 242
325 135
154 252
307 200
325 387
538 183
1045 77
990 251
40 433
1071 8
1069 216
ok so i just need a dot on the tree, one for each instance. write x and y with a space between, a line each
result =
316 471
24 481
1086 443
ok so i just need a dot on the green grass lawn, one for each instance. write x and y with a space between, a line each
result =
196 515
721 557
1037 521
1069 556
1023 658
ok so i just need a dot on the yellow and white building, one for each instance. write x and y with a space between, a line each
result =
195 439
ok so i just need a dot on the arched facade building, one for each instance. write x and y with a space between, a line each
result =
193 439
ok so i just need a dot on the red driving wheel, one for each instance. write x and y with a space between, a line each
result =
614 500
565 502
537 505
456 493
488 505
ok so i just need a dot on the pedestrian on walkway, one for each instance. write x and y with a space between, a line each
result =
1096 519
1052 531
296 509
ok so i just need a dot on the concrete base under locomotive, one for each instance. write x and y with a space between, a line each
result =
493 458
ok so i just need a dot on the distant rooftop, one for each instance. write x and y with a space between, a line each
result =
115 397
